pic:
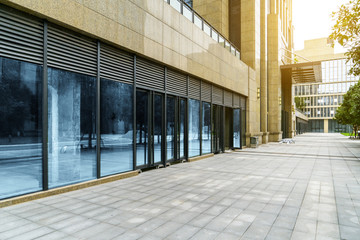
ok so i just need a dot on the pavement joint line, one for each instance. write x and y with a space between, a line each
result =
296 154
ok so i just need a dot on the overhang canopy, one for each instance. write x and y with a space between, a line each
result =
308 72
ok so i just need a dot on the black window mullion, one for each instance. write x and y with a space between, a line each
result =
134 116
98 136
45 166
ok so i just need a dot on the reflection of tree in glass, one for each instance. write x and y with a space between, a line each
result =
19 103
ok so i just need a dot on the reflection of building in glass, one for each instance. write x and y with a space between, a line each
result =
320 100
140 85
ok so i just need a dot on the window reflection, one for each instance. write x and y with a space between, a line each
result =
206 127
236 128
116 128
158 100
142 140
194 127
20 128
170 127
182 128
71 127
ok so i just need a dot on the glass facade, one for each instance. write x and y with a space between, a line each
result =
157 132
206 128
20 128
142 138
182 125
116 127
170 128
71 127
194 128
96 121
236 129
322 99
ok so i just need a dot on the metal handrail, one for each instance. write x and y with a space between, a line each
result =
232 48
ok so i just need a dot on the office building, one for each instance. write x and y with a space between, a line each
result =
95 88
321 99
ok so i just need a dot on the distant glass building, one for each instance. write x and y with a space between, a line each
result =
322 99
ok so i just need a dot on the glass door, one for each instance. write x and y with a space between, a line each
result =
149 128
216 128
181 126
175 128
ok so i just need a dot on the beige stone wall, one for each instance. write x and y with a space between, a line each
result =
216 12
149 28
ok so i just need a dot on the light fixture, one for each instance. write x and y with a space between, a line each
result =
280 100
258 93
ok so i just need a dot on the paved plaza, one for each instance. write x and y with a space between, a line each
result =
306 190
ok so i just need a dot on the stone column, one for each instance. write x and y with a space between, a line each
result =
251 55
263 71
274 74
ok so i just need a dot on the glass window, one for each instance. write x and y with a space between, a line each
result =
116 127
197 21
182 128
176 5
227 45
142 126
214 35
207 29
170 127
71 127
206 127
221 41
187 13
236 127
158 119
194 128
20 128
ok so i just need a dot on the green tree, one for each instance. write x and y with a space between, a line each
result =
299 103
349 111
346 32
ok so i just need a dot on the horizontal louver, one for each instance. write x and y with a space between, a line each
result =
71 52
236 100
227 98
21 36
149 75
176 83
194 88
217 95
116 65
243 102
205 92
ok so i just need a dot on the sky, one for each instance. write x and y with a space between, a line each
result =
311 19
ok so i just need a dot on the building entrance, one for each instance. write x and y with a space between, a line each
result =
149 128
175 128
217 132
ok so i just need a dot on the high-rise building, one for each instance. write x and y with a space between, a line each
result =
321 99
90 89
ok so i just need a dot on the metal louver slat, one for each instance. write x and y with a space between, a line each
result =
72 52
228 99
116 65
176 83
194 88
21 36
236 100
205 92
217 95
243 102
149 75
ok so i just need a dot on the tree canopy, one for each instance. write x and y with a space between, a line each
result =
349 111
346 31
